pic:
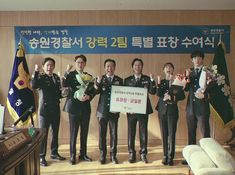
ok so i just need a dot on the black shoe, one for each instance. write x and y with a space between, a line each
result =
184 162
57 157
102 160
132 158
164 161
114 160
72 160
85 158
43 161
170 162
144 158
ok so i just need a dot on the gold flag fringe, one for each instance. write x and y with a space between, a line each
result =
219 120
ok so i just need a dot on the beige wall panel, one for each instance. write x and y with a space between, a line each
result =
69 18
8 18
227 17
7 54
153 63
160 17
200 17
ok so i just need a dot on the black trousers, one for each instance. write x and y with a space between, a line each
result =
132 120
75 121
203 123
46 122
168 125
112 121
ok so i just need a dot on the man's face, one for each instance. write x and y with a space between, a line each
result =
168 70
49 67
109 68
197 61
80 64
137 67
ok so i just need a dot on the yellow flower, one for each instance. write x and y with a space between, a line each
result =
86 77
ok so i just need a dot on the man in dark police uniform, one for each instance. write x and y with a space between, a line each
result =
77 104
103 87
197 108
143 81
49 86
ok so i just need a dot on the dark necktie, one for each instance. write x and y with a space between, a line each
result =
137 81
168 84
52 82
51 79
196 71
110 80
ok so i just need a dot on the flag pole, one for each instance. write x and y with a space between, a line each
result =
220 36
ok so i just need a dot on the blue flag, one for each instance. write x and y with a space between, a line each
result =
20 98
221 101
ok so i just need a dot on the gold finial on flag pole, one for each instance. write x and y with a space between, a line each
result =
20 42
20 51
221 42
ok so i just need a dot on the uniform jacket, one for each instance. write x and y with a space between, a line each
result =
49 92
72 105
145 82
104 89
176 93
194 105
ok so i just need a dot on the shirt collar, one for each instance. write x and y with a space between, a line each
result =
110 76
137 76
199 68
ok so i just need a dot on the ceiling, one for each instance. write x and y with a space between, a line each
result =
38 5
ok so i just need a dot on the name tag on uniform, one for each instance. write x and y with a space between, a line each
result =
126 99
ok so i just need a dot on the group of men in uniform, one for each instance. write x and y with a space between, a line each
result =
82 88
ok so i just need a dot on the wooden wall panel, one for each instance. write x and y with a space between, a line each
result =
153 63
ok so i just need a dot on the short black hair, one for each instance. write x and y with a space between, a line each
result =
197 53
137 59
48 59
110 60
168 63
83 57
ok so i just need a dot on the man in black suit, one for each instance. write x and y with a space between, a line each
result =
197 108
48 85
168 112
143 81
103 87
78 105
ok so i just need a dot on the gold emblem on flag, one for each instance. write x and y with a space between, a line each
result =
22 81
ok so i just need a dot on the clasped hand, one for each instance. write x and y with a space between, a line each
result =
85 97
199 94
166 97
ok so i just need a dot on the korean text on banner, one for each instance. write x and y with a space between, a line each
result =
128 99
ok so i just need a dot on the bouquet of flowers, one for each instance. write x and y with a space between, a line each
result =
211 71
179 80
85 80
208 74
